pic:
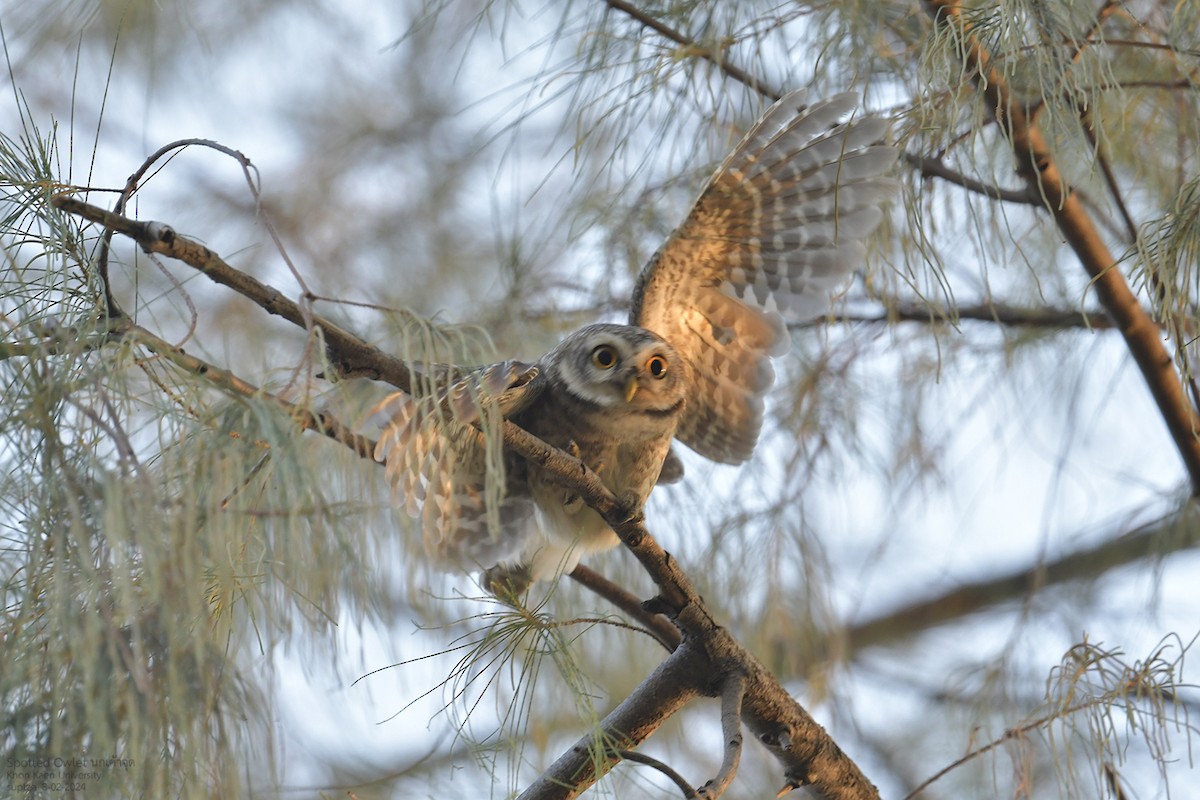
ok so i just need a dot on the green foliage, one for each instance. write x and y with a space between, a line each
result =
158 536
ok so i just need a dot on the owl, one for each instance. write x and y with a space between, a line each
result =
778 226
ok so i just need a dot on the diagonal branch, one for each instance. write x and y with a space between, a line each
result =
667 690
306 419
808 754
641 758
350 352
694 48
1008 316
1037 166
1175 533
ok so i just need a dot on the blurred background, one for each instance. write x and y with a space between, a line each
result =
927 548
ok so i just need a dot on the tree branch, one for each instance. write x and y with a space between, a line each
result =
641 758
656 624
808 754
995 313
732 692
1036 165
1178 532
350 353
930 167
668 689
695 48
322 422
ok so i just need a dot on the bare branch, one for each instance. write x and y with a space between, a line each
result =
668 689
322 422
1178 532
665 769
1008 735
351 353
806 751
695 48
994 313
930 167
655 624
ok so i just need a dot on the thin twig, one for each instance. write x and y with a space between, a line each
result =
931 167
694 48
641 758
656 625
1106 169
322 422
732 691
1008 735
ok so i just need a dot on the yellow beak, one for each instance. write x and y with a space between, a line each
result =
631 387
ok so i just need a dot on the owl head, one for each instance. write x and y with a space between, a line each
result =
620 368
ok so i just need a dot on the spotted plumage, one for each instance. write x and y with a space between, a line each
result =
776 229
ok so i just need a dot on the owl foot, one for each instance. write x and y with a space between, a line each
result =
572 503
573 450
507 582
631 507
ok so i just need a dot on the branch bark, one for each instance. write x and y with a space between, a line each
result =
808 754
655 624
931 167
667 690
306 419
351 353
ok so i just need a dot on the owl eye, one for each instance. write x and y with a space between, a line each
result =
605 356
657 366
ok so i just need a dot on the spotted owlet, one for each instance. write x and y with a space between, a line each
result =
778 226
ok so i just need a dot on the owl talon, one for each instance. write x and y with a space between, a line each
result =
631 505
507 583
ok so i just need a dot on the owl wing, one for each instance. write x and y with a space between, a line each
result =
472 500
778 226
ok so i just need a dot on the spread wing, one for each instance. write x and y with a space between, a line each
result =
445 463
778 226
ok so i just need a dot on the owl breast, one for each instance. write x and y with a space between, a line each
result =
623 442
